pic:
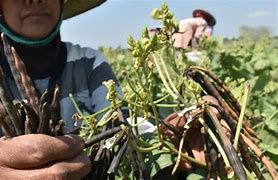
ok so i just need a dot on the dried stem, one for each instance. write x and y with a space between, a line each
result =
228 147
26 82
9 107
269 166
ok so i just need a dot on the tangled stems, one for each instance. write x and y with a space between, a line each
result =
170 105
101 111
145 149
149 100
133 89
161 99
216 142
180 150
147 92
191 159
76 106
153 106
171 149
170 91
168 76
154 110
132 103
156 102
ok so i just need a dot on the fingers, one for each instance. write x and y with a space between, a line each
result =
32 150
210 99
213 101
72 169
172 120
196 144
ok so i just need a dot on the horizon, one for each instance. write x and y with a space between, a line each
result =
112 22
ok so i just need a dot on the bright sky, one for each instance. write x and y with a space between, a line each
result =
111 23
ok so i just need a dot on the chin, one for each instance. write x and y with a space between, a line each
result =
36 30
36 34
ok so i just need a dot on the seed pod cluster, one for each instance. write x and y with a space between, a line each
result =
110 147
209 128
29 114
228 109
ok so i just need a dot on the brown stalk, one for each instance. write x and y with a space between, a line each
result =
207 149
24 85
44 119
269 166
5 123
9 107
248 159
26 82
55 107
227 146
33 118
232 124
11 61
58 129
37 117
211 90
117 158
140 166
104 135
228 94
245 153
226 91
43 98
27 126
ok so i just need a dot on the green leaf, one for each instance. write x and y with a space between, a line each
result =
272 121
157 159
270 148
198 175
261 64
261 82
269 137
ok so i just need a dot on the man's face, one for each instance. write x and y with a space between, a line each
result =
31 18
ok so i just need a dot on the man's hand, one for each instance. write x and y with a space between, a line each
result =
195 141
38 156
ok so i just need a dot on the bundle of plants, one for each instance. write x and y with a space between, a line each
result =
29 114
214 133
33 115
199 123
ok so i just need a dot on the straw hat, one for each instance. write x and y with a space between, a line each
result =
206 15
75 7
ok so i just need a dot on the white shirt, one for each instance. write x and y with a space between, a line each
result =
189 28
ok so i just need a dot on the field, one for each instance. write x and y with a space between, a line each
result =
159 80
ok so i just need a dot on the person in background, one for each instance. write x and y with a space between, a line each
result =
32 27
191 29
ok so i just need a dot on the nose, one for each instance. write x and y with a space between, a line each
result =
34 1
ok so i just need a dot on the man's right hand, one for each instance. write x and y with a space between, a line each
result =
38 156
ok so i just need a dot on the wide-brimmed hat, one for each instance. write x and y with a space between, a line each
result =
206 15
75 7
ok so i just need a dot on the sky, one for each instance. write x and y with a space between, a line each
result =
111 23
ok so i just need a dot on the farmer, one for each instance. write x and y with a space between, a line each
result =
33 29
191 29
